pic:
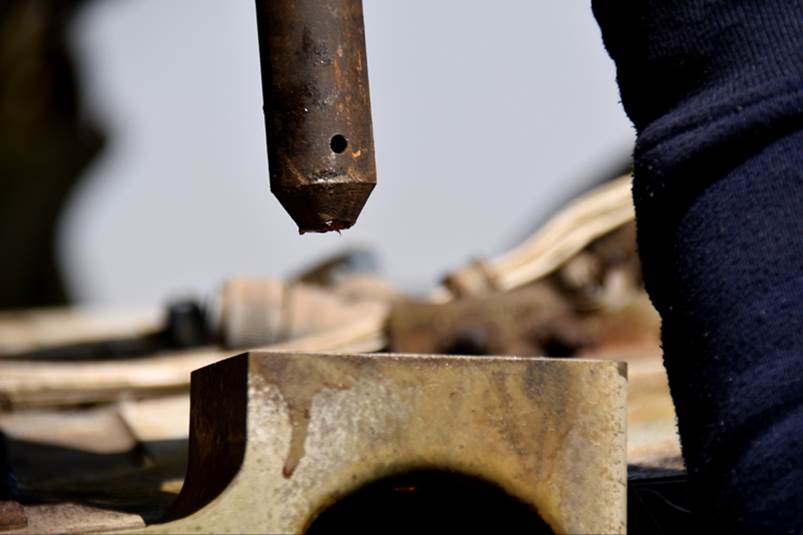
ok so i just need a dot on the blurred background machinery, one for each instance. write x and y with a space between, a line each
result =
479 138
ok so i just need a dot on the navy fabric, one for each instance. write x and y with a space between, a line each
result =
715 91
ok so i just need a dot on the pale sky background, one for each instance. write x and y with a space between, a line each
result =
486 115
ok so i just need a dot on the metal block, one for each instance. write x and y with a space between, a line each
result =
276 440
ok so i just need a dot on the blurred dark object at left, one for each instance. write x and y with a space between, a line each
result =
45 145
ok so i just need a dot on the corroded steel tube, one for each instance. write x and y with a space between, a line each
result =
317 109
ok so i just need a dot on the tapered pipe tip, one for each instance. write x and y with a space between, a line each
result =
325 206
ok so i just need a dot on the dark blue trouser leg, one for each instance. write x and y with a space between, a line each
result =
715 91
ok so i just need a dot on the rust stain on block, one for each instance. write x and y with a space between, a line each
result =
278 438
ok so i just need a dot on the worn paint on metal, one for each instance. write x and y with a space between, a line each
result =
550 433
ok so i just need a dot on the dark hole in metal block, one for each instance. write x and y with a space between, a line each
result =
432 501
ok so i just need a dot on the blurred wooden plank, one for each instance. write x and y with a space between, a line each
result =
40 384
75 518
27 330
25 384
12 516
98 430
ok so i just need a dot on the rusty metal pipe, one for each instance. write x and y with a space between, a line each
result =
317 109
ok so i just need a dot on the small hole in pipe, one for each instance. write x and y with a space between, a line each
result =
338 143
